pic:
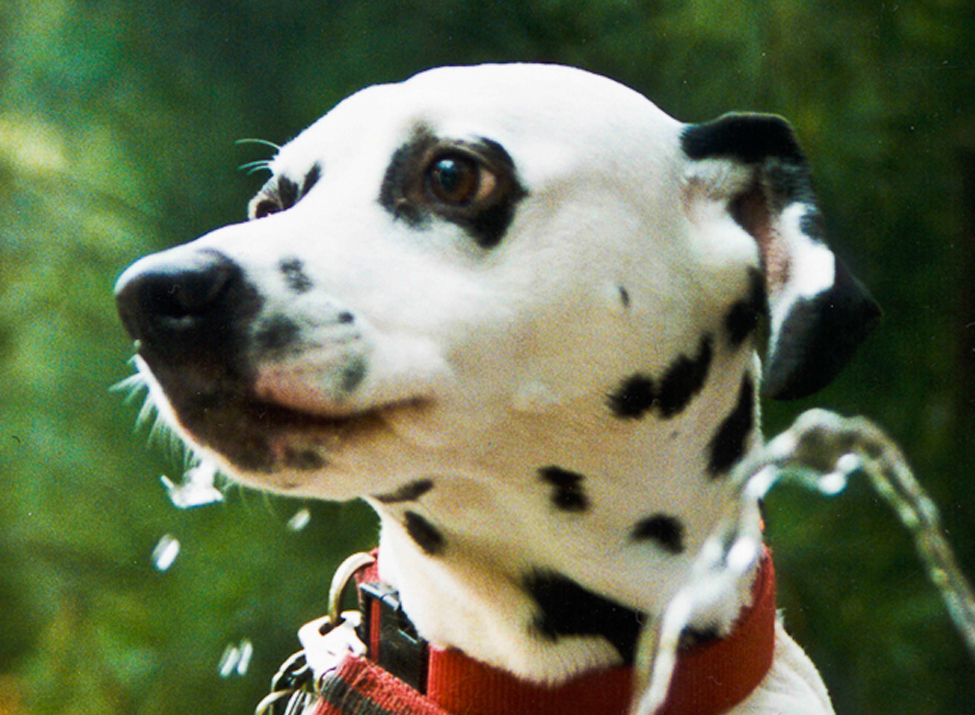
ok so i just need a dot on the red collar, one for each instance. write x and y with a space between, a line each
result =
710 677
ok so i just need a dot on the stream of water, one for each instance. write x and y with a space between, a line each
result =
821 451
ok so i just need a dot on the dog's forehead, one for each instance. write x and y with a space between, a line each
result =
533 111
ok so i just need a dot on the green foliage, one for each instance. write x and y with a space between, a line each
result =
117 129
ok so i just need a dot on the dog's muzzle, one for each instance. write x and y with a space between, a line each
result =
190 313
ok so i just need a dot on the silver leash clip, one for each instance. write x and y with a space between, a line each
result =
326 643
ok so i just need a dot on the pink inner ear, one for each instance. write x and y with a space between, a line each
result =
752 212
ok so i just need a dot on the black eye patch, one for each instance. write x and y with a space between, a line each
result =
471 184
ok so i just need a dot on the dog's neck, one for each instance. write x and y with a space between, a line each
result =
549 572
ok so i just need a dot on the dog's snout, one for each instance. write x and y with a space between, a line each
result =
184 306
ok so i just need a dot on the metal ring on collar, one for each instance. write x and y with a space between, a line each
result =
340 581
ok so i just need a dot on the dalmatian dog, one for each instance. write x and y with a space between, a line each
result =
518 309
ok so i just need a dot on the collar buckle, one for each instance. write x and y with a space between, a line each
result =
394 644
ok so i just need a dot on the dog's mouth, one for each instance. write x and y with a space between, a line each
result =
256 434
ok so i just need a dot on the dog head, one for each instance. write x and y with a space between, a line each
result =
475 267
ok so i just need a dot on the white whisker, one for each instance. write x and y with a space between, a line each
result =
252 167
265 142
131 385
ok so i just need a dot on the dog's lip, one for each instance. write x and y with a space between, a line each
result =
243 411
288 418
299 405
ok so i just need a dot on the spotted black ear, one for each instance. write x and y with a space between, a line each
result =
819 313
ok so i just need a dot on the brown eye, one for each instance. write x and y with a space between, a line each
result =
457 179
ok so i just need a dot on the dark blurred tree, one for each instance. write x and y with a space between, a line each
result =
117 129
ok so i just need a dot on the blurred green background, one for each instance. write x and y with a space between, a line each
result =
118 123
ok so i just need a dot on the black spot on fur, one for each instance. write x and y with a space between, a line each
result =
411 491
633 398
353 375
275 336
311 178
568 494
743 317
685 377
568 609
747 138
294 274
666 530
288 192
729 442
303 459
425 534
624 296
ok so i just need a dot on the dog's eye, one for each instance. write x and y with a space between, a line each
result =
459 180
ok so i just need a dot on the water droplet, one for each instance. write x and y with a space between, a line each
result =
236 658
848 463
300 520
833 483
246 652
196 489
229 660
165 552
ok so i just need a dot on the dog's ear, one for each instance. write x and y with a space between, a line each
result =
819 313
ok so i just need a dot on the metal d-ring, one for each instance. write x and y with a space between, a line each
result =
340 581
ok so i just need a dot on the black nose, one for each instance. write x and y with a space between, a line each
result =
185 307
